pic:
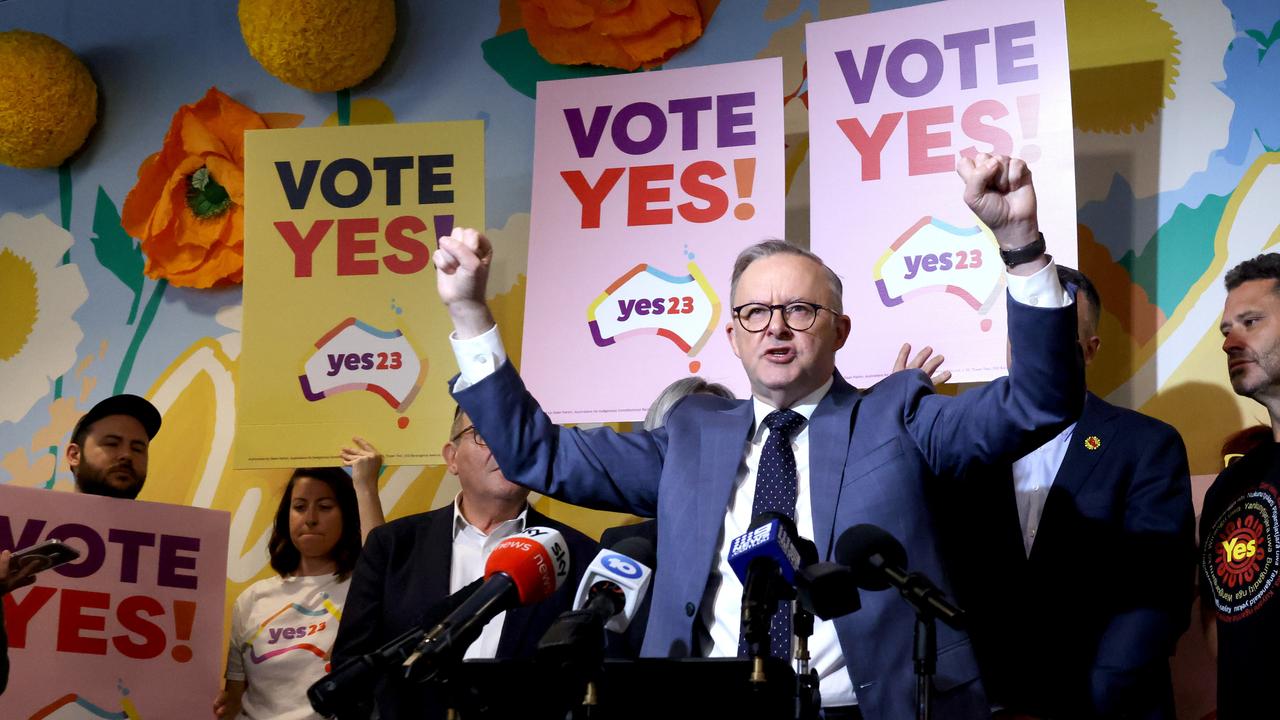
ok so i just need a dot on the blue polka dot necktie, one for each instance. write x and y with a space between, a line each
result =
776 490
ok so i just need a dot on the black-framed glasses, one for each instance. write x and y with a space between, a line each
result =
798 315
475 436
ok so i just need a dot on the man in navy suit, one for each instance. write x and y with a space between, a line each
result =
1076 562
837 456
412 564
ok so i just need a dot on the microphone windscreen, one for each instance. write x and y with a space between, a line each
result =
638 549
536 560
857 547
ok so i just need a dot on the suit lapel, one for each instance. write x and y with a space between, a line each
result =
519 619
1093 436
435 576
830 433
726 434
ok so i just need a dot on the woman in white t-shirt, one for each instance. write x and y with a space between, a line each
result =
283 627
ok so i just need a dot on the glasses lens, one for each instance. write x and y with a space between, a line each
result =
755 317
799 316
479 440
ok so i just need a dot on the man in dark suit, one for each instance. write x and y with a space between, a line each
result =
412 564
807 444
1076 562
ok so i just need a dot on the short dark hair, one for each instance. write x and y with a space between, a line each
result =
768 248
1263 267
285 558
1069 276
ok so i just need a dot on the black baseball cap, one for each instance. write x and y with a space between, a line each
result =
138 408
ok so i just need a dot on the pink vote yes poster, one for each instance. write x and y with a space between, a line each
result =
645 188
133 628
894 96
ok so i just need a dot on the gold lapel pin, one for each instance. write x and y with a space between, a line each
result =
1092 442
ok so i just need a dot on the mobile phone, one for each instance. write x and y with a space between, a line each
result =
25 563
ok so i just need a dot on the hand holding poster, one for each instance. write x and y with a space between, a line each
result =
344 334
131 629
645 188
894 97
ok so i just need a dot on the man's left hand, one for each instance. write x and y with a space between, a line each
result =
922 361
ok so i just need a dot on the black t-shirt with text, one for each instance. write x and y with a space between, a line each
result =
1239 564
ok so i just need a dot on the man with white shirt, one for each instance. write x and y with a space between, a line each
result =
411 564
807 444
1076 562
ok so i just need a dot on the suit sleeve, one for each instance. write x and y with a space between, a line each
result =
1010 416
360 631
598 468
1130 672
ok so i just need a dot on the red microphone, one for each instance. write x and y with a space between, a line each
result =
526 568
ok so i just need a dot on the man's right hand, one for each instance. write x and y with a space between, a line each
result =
462 272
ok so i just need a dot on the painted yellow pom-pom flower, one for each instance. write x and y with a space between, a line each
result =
48 100
319 45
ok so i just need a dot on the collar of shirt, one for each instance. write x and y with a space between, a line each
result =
462 526
805 407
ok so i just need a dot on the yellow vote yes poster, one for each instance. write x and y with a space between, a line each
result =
344 333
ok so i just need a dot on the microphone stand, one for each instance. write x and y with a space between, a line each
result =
925 659
927 601
808 699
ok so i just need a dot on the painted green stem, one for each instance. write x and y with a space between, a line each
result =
344 107
144 324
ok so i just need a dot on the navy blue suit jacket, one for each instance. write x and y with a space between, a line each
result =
403 571
1084 626
873 456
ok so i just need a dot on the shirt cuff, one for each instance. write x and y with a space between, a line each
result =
1041 289
480 356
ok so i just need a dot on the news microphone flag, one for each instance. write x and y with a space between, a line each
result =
536 560
769 540
628 573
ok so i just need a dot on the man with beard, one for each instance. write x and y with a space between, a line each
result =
1240 523
108 448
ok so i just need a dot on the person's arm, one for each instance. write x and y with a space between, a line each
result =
599 468
227 705
366 465
1130 670
1045 387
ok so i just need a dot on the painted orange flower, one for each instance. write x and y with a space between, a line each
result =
187 208
623 34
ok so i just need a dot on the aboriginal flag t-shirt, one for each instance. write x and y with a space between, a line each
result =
1239 562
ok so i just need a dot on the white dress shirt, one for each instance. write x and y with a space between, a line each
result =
471 550
1033 476
479 356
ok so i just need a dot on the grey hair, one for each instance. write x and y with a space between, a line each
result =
769 248
675 392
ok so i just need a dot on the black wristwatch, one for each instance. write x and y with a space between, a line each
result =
1026 253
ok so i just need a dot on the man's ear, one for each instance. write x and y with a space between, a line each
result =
844 326
449 452
73 456
728 332
1091 349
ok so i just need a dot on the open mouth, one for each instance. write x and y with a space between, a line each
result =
780 354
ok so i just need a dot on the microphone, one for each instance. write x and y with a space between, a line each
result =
526 568
827 590
878 560
347 690
765 559
617 581
610 592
